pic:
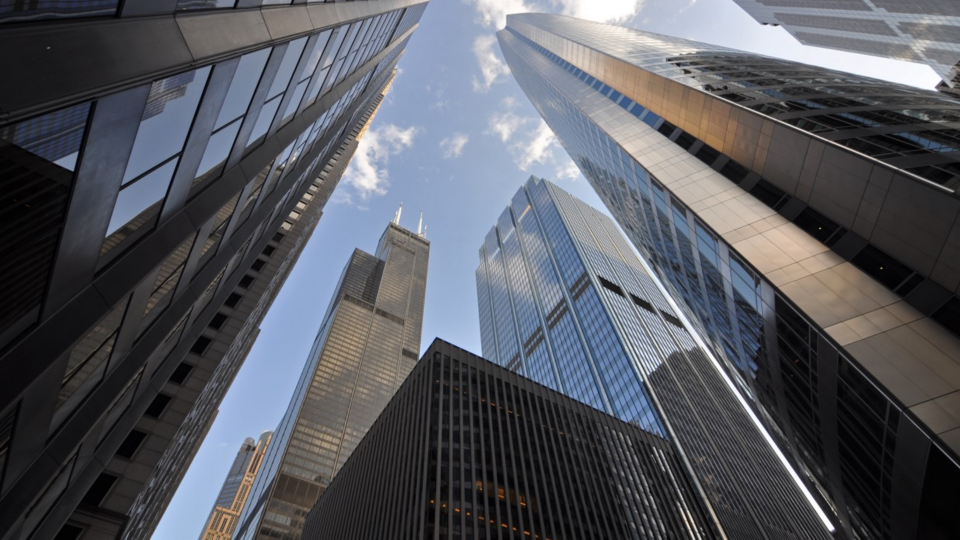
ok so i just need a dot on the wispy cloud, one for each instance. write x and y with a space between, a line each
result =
492 68
504 124
567 171
452 146
493 13
600 10
367 174
537 148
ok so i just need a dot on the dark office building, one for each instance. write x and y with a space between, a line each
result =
368 342
144 196
468 449
564 301
806 222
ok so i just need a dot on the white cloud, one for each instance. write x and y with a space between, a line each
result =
538 148
453 146
505 124
610 11
567 171
492 67
493 13
367 174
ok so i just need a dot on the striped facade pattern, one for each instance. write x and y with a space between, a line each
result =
468 449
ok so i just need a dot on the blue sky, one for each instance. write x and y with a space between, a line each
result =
455 138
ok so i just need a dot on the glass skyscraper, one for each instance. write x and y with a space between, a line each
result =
923 31
236 489
155 161
471 450
807 223
564 301
367 344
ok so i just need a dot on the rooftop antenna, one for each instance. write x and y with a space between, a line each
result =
396 217
420 225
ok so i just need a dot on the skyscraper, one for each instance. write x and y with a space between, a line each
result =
564 301
368 342
811 248
923 31
467 449
227 340
142 188
236 489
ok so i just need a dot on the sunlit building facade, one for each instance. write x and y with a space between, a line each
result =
469 449
236 489
147 193
814 252
367 344
564 301
922 31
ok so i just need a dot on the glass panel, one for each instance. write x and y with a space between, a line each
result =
287 65
205 4
138 204
166 120
243 85
219 226
170 271
295 100
315 91
37 160
11 11
87 361
315 54
120 405
264 120
217 152
255 191
6 435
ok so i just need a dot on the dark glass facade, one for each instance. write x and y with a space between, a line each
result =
368 342
468 449
821 276
146 198
564 301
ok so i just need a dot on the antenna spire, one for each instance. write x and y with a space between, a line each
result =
420 225
396 217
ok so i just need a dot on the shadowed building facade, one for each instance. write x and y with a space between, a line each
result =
468 449
923 31
564 301
149 208
812 246
367 344
236 489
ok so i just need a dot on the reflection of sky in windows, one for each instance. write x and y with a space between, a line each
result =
55 137
140 196
244 83
166 120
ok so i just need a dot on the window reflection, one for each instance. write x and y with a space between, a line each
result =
170 271
205 4
87 361
220 221
37 162
264 120
62 9
166 121
216 154
138 205
244 83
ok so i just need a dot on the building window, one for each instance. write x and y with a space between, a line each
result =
291 57
98 491
70 532
246 281
164 126
181 373
217 321
258 265
219 227
278 237
167 279
200 346
232 300
232 113
7 422
949 315
130 445
88 360
35 11
268 251
38 158
157 406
